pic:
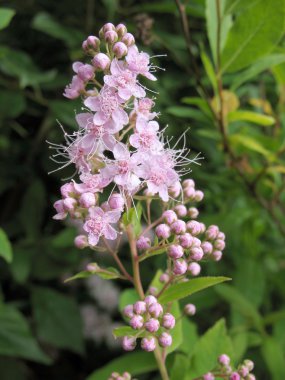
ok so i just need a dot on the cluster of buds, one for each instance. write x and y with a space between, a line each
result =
225 370
152 325
117 376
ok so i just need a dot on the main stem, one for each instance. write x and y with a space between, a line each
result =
140 291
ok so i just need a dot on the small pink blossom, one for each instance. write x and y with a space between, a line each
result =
139 62
84 71
145 137
74 89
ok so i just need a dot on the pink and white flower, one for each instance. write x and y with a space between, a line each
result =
146 137
139 62
74 89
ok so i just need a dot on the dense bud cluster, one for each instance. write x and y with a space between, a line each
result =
224 370
117 376
152 323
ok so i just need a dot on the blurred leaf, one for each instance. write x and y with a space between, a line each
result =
253 117
105 273
176 332
58 320
263 104
212 25
5 247
127 297
45 23
253 34
210 71
195 9
16 338
230 102
180 367
187 112
190 336
185 289
200 103
274 358
12 103
64 111
136 363
249 143
22 262
119 332
238 5
206 351
6 16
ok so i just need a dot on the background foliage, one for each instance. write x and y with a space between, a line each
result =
49 329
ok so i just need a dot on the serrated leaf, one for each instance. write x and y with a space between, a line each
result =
6 15
252 117
185 289
5 247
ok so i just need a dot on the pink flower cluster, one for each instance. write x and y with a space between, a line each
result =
117 376
151 322
224 370
118 143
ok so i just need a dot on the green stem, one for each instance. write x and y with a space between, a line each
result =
161 364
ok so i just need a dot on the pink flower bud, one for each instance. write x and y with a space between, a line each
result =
251 377
120 49
235 376
180 210
155 310
193 212
128 311
153 290
209 376
111 36
108 26
101 61
207 247
196 242
175 251
81 241
243 371
180 267
199 195
92 267
168 321
249 364
84 72
149 300
190 309
59 206
163 231
129 343
105 206
178 227
128 39
212 232
194 269
136 322
164 277
175 190
194 227
188 183
165 339
69 204
116 201
143 243
189 193
91 43
196 254
224 360
219 245
87 200
221 236
148 344
140 307
217 255
67 189
185 240
121 29
152 325
169 216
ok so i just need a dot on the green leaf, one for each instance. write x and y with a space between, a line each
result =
5 247
238 5
133 216
135 363
45 23
241 304
190 336
180 367
185 289
12 104
274 358
206 351
127 297
64 111
252 117
118 332
109 273
58 320
249 143
255 32
6 16
200 103
212 25
16 338
176 332
187 112
210 71
22 263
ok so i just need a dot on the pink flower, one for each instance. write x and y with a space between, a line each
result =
84 71
146 135
98 224
124 81
142 108
123 170
108 107
91 183
73 90
139 62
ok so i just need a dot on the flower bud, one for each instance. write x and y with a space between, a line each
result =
207 247
128 39
149 300
111 37
178 227
163 231
175 190
180 267
59 206
209 376
143 243
164 278
101 61
92 267
155 310
140 307
190 309
194 227
136 322
217 255
165 339
168 321
235 376
185 240
221 236
193 212
67 189
129 343
169 216
128 311
152 325
116 201
120 49
199 195
196 242
251 377
188 183
219 245
81 241
121 29
87 200
148 344
153 290
212 232
108 26
224 360
249 364
69 204
196 254
91 43
189 193
105 206
175 251
180 210
194 269
243 371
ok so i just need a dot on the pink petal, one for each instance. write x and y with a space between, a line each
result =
163 193
113 216
94 212
100 118
120 116
121 152
93 239
110 233
134 140
83 119
93 103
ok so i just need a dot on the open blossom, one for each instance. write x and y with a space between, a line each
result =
146 137
73 90
139 62
142 108
90 183
99 224
108 107
124 81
